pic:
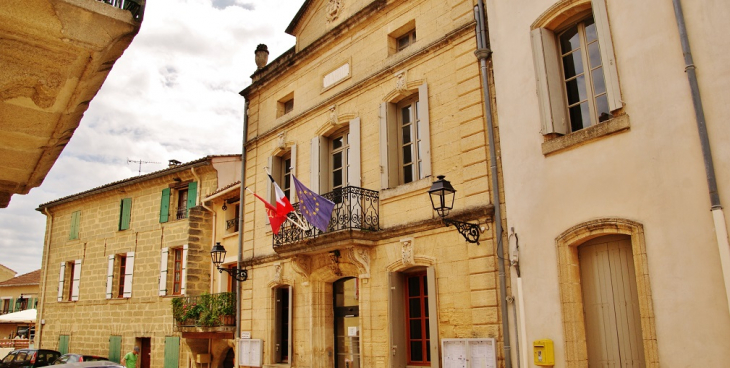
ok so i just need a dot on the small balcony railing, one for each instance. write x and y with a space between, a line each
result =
207 310
232 223
136 7
355 208
182 213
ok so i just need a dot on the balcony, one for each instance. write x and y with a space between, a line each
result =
355 209
133 6
205 313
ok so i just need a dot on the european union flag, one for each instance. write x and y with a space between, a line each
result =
315 208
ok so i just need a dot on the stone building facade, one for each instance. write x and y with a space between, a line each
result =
116 256
374 101
623 250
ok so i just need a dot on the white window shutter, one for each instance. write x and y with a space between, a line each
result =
272 165
110 277
549 82
163 271
184 276
433 316
293 192
60 281
291 321
424 150
397 321
314 167
354 175
128 274
384 145
610 73
76 279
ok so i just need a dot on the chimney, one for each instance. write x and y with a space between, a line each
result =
173 163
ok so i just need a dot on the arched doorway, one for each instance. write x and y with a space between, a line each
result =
345 295
229 360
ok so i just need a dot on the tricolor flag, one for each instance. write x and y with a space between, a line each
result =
275 218
315 208
283 206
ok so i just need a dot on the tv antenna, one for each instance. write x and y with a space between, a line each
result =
140 162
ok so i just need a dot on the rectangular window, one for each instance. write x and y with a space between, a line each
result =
6 306
402 37
408 140
125 214
338 163
122 261
286 175
418 341
335 161
182 204
282 167
177 271
75 221
285 105
406 40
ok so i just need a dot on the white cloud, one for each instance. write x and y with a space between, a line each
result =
172 95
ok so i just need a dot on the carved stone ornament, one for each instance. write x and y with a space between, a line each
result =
281 142
335 263
360 257
407 251
334 7
401 81
302 266
332 115
277 273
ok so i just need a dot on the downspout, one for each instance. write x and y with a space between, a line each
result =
482 53
241 206
718 214
42 303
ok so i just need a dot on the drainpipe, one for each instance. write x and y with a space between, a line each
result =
482 53
42 302
718 214
240 218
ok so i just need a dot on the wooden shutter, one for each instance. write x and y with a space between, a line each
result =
165 205
613 92
128 274
60 281
125 216
290 325
354 174
192 195
315 163
388 145
172 352
184 276
11 306
384 145
433 321
275 168
163 271
110 276
549 82
75 221
76 279
293 191
115 348
397 318
63 344
424 132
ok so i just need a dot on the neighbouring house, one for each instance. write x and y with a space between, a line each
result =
623 250
16 295
116 256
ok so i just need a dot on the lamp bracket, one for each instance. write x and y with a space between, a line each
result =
469 231
240 274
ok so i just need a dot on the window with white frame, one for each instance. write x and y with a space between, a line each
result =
405 141
401 38
338 165
119 276
335 161
69 279
576 72
173 264
282 166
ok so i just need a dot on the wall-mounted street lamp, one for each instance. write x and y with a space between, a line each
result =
442 199
217 255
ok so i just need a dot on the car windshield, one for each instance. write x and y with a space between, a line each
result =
9 358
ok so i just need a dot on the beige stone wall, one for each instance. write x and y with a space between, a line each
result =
466 274
651 174
92 319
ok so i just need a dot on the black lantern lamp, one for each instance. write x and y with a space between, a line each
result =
442 199
217 255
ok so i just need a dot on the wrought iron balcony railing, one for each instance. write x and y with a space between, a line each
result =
207 310
355 208
232 223
136 7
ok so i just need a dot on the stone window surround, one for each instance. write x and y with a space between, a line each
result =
571 300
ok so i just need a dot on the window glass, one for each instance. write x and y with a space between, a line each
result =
417 327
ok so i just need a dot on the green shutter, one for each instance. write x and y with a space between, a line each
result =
115 348
125 214
192 194
11 306
74 233
165 205
63 344
172 351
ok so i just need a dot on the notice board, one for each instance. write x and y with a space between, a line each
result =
250 352
469 353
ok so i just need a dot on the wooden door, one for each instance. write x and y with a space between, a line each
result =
144 355
610 303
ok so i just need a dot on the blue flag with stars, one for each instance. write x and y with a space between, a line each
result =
315 208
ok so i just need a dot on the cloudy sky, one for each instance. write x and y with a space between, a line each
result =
172 95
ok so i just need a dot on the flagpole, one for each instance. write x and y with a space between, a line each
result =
301 222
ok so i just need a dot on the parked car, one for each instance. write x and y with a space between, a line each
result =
95 364
29 358
75 358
